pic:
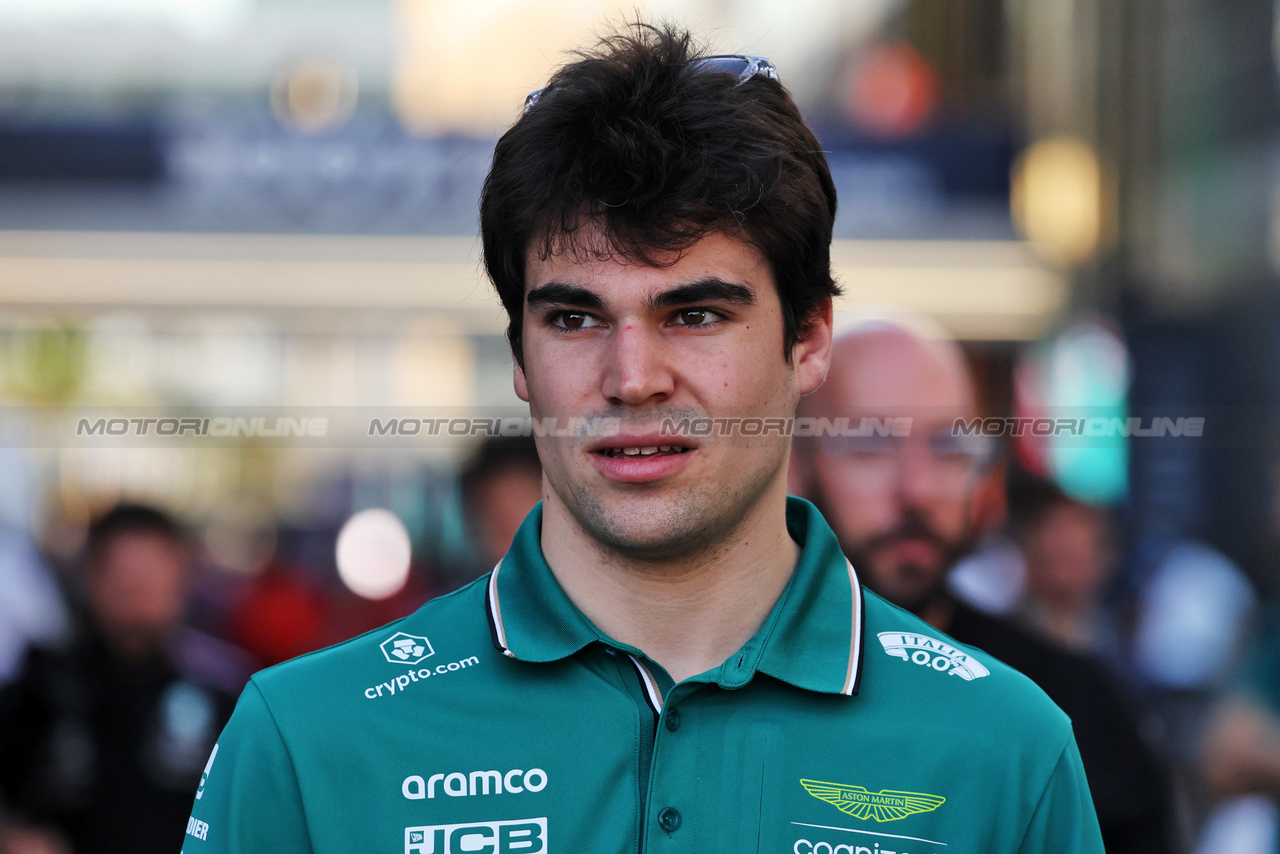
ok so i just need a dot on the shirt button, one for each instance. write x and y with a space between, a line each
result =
669 819
673 720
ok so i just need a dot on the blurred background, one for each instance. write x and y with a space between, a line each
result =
268 209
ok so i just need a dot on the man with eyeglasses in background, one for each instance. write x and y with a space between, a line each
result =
901 493
673 656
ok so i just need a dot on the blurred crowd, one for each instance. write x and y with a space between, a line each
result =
120 664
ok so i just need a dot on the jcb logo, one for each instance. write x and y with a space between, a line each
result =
522 836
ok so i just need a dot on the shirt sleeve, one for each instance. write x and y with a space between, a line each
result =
1064 821
248 800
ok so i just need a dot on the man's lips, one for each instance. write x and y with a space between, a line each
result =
912 548
640 459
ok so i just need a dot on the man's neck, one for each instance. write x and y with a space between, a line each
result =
939 612
1064 620
688 614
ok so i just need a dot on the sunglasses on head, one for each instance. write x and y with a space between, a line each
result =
742 66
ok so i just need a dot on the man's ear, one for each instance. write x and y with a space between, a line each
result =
811 355
522 386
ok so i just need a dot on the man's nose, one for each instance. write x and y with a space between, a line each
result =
636 366
918 477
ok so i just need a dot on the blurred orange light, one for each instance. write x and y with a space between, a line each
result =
1057 199
892 91
314 96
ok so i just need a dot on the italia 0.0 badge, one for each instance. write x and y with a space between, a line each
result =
932 653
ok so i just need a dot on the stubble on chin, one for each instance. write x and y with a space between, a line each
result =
662 524
926 588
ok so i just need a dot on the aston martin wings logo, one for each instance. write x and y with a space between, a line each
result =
885 805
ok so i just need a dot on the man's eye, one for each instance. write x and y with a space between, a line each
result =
696 317
574 320
873 446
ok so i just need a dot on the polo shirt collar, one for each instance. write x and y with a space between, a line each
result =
812 638
531 618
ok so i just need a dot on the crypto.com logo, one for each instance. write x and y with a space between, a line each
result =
402 648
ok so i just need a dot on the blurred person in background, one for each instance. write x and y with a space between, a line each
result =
288 609
103 739
281 613
499 485
1070 554
1240 751
903 507
1238 747
32 610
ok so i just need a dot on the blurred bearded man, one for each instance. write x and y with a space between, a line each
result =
903 507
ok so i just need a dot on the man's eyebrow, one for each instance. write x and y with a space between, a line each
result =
558 293
704 290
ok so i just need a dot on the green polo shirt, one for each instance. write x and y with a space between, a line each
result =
499 720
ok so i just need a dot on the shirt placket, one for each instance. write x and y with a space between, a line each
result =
685 776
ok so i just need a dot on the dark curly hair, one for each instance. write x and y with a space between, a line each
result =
631 143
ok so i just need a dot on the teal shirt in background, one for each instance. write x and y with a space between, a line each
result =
499 720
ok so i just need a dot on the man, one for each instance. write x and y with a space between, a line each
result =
671 656
1070 561
498 486
903 508
1240 751
102 739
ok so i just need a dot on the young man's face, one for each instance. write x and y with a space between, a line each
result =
699 338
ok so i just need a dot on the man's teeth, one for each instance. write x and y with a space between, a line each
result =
647 451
